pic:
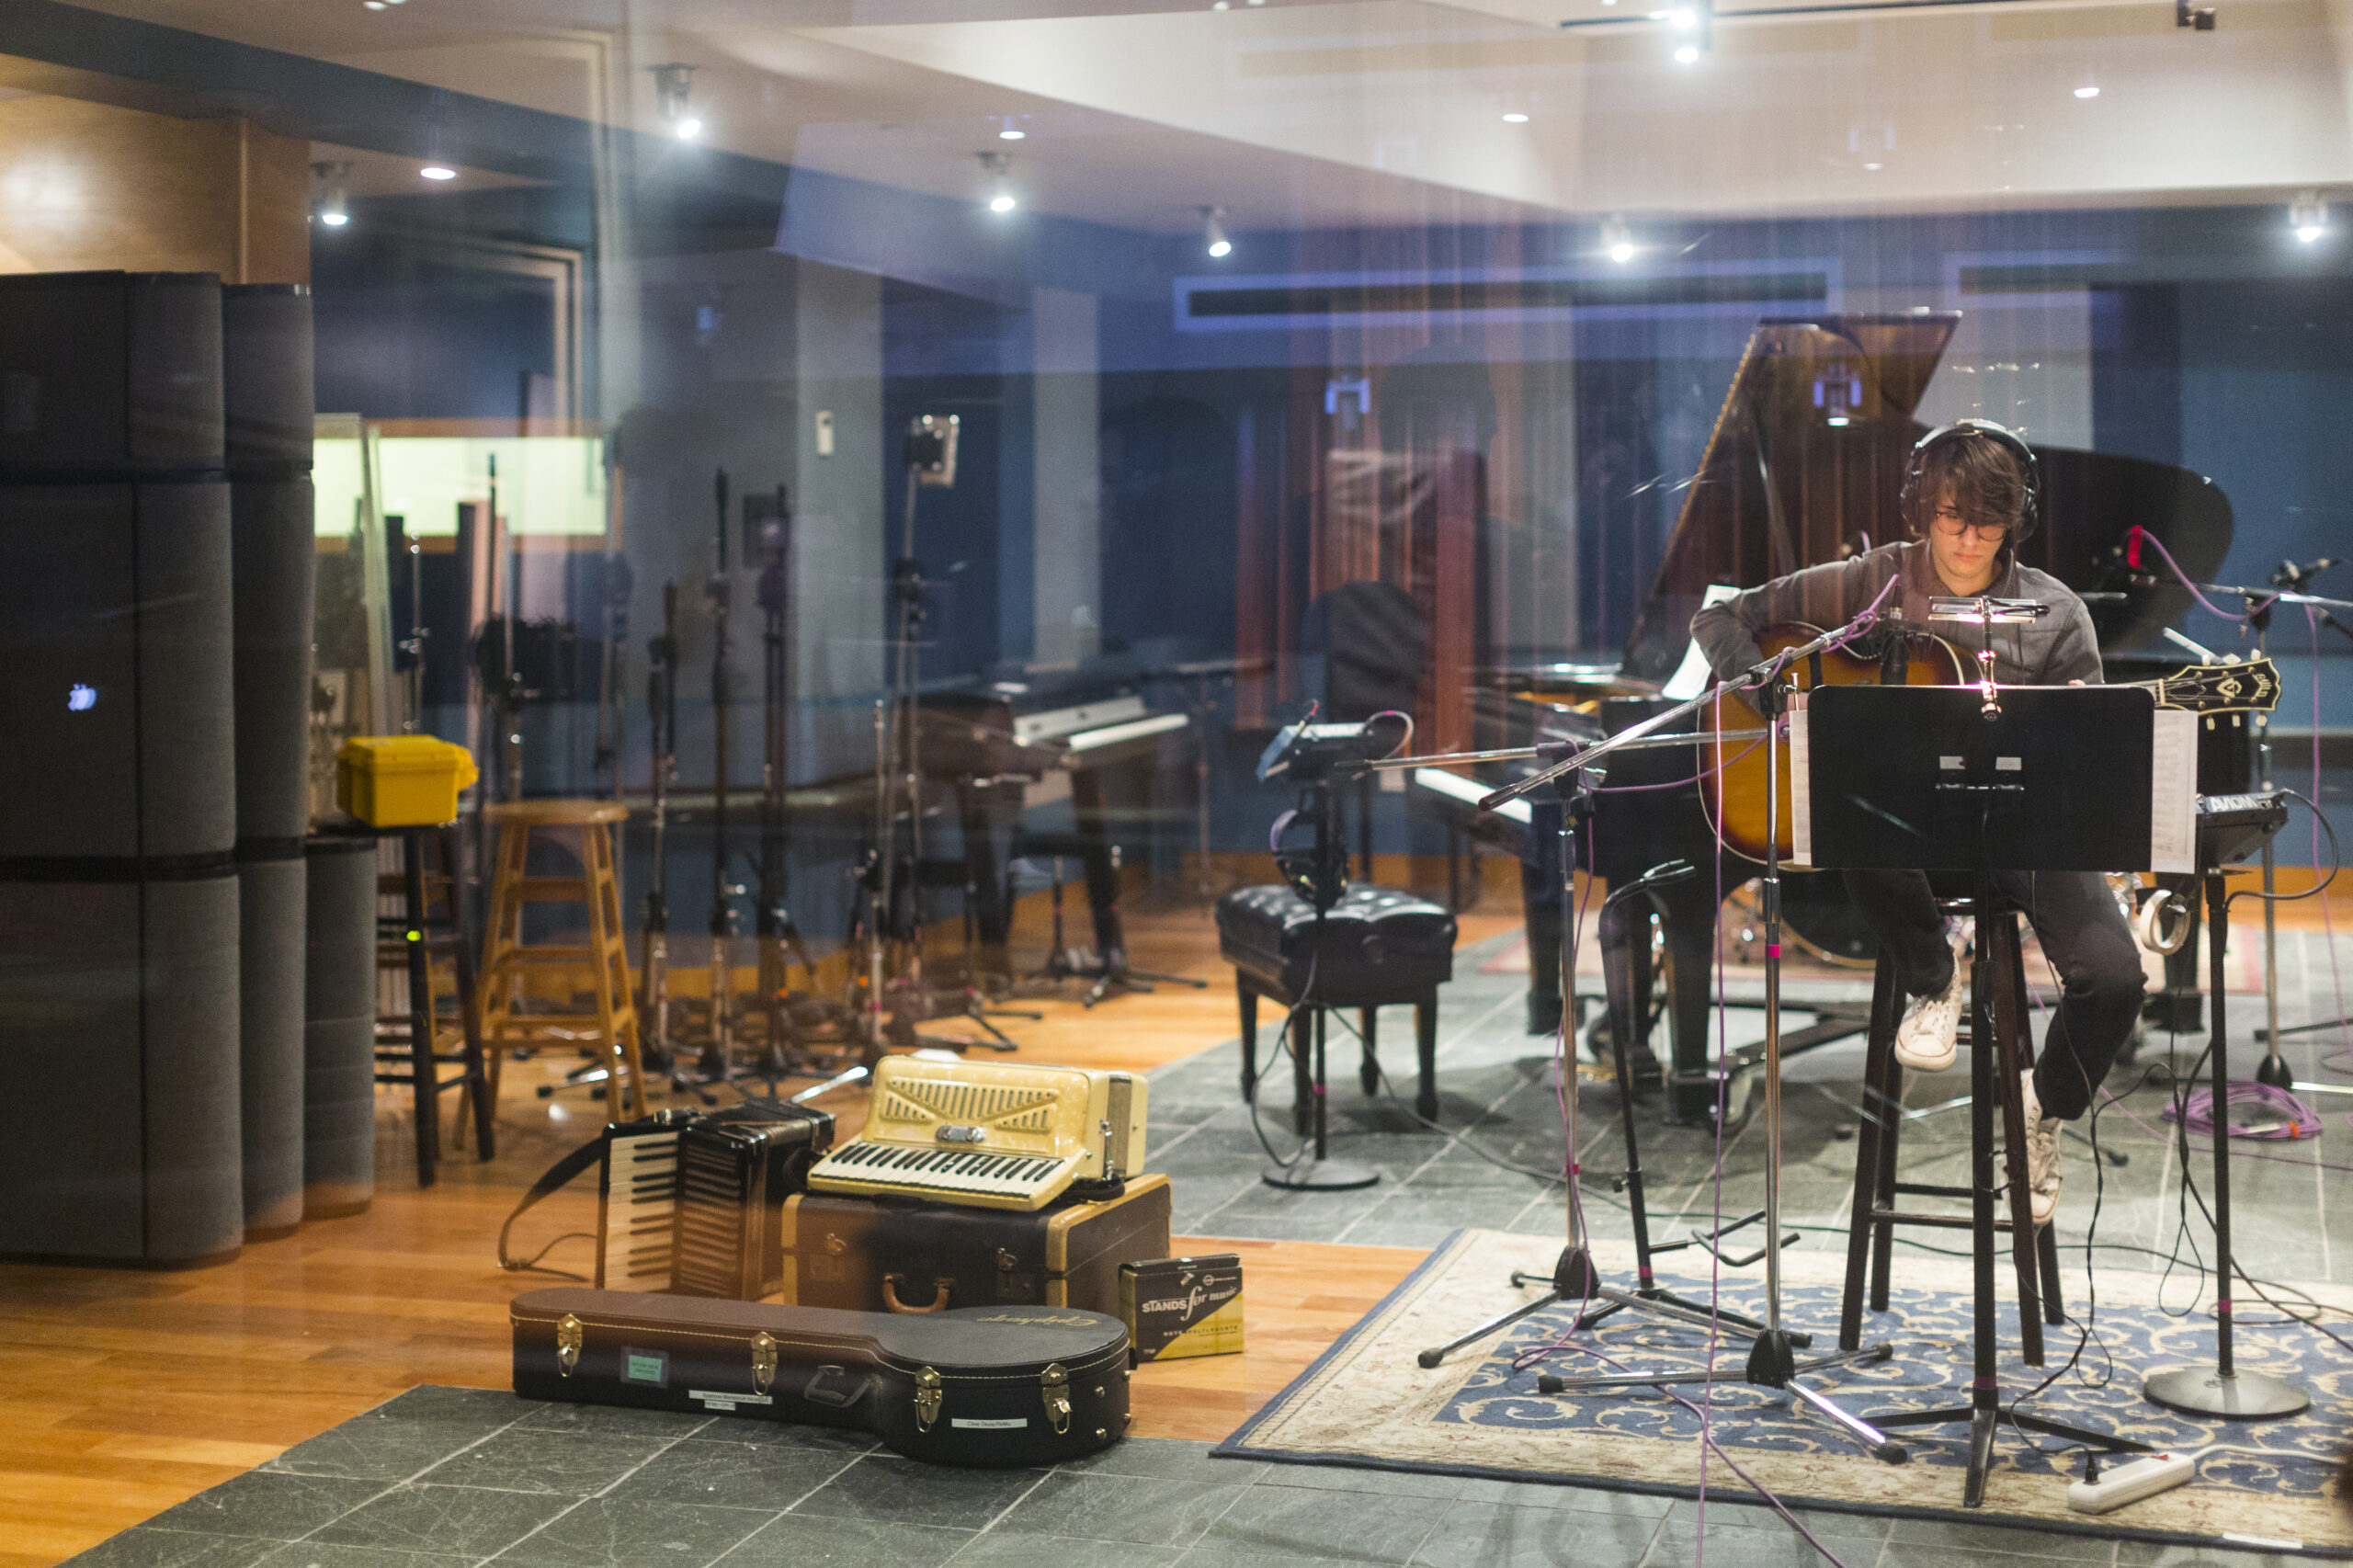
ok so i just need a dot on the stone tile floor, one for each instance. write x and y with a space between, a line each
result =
452 1478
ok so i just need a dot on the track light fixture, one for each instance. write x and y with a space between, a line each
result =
673 93
1000 169
329 183
1214 231
2308 217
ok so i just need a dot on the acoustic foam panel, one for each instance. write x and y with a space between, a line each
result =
110 373
116 671
266 379
118 1081
339 1028
272 952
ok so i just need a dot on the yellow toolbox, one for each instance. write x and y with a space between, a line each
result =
401 780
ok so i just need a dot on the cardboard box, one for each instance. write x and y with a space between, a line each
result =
1176 1307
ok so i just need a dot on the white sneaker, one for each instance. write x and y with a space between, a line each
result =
2041 1155
1928 1035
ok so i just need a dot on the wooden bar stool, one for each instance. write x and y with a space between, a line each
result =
425 939
1871 1231
506 959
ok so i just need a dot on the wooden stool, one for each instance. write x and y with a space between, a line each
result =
506 958
426 940
1871 1231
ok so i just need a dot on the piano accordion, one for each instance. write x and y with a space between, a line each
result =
992 1135
692 1202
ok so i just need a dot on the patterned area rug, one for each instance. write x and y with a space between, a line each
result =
1367 1403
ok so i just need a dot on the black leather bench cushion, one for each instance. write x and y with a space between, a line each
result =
1379 944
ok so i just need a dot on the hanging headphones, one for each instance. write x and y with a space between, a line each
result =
1908 502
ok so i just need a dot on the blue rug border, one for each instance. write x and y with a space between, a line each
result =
1235 1446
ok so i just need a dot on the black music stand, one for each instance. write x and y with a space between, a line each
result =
1980 778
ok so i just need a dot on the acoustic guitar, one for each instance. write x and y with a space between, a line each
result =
2250 686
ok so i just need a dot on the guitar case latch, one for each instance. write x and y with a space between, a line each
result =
930 1393
1054 1382
763 1361
568 1334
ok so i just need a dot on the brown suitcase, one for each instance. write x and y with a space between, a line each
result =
905 1254
984 1386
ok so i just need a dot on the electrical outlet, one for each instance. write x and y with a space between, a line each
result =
825 432
2120 1484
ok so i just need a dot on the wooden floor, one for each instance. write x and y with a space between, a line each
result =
123 1392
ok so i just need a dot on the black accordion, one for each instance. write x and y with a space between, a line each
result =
692 1202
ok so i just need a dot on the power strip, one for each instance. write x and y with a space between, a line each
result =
2120 1484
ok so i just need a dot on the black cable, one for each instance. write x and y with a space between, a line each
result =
531 1264
2336 862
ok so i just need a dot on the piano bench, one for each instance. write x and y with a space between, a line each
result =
1380 947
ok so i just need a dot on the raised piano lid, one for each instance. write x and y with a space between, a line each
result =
1780 487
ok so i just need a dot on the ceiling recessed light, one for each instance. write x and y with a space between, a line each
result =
1002 202
2087 91
334 219
437 171
1874 168
690 127
1214 231
1515 117
1010 134
1688 55
2308 217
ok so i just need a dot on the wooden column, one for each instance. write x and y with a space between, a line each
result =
92 186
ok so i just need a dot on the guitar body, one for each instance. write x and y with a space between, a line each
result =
1934 662
2230 686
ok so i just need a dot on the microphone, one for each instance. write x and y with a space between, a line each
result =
2293 577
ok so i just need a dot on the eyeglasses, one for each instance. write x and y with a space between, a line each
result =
1951 525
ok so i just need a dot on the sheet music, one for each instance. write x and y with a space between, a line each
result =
1691 678
2173 791
1801 791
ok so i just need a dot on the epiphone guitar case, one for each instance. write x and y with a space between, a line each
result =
977 1386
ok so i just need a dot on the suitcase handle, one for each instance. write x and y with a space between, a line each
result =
891 1296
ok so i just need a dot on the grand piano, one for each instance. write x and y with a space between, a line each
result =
1802 467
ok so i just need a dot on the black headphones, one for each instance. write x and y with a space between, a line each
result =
1908 502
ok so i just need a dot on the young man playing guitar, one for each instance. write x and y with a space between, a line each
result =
1968 498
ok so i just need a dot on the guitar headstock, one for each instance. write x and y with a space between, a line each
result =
2249 686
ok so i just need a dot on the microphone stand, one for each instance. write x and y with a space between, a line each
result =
662 734
1772 1359
2290 579
722 912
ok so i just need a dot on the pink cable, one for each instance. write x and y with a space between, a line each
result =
2328 927
1681 783
2144 535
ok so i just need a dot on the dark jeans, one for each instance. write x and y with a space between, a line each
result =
2084 936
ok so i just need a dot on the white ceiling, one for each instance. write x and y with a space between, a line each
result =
1302 114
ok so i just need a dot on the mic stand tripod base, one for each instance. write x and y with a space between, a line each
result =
1321 1176
2234 1396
